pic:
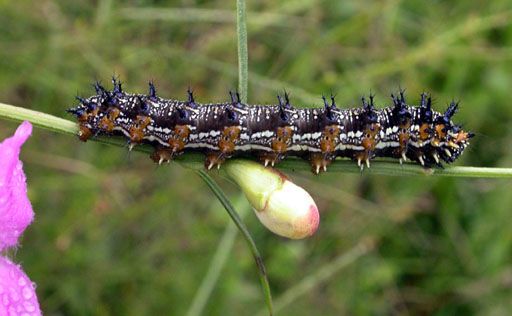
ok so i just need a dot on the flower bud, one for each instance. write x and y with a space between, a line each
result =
282 206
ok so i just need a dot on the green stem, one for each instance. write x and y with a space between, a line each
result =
245 233
46 121
243 64
195 161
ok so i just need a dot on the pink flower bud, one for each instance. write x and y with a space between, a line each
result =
282 206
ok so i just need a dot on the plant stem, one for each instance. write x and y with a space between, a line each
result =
39 119
243 64
245 233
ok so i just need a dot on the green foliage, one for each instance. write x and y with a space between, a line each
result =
116 235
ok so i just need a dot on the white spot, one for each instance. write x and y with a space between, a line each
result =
268 134
316 135
381 145
249 147
201 145
306 136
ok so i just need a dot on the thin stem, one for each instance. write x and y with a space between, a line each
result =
245 233
39 119
243 65
392 168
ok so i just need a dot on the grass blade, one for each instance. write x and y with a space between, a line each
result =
243 64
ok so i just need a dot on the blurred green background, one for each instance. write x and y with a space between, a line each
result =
115 235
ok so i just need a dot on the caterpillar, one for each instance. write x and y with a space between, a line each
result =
273 132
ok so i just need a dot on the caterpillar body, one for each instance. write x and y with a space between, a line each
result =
272 132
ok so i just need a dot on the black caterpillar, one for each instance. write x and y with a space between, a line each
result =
271 132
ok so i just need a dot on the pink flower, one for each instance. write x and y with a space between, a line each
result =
17 292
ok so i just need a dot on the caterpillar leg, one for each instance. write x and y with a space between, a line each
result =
279 144
227 143
214 159
84 133
270 158
328 141
162 154
320 161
